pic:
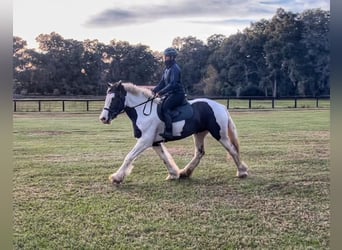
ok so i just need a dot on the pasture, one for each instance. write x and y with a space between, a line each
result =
62 198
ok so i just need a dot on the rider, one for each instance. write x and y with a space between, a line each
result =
171 88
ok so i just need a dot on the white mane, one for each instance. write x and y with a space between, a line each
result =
136 90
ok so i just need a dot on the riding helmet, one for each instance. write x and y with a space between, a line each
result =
170 52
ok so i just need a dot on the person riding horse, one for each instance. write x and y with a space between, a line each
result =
171 88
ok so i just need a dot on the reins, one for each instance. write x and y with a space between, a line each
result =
150 99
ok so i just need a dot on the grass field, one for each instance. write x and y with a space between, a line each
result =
62 198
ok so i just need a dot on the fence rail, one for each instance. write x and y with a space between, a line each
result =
96 104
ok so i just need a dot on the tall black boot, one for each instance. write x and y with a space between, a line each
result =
168 126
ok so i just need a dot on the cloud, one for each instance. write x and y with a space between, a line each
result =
297 5
276 2
187 9
192 10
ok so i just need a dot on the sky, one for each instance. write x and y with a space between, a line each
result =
154 23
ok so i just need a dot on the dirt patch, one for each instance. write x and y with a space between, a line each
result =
181 151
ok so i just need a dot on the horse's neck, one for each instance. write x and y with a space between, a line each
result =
134 100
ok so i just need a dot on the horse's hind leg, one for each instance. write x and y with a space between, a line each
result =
241 166
230 142
199 152
171 166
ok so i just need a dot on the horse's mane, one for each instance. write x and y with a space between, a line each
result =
136 90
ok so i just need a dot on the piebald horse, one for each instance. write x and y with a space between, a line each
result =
141 107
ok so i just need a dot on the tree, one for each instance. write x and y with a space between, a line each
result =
229 61
315 39
215 41
93 66
285 55
211 86
27 74
134 63
255 56
63 64
193 56
273 50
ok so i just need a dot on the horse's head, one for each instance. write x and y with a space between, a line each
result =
114 102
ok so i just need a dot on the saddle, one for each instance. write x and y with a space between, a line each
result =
182 112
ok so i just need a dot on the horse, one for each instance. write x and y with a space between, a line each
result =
141 106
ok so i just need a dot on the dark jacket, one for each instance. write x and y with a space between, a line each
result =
170 82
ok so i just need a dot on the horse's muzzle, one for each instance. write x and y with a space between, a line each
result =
104 120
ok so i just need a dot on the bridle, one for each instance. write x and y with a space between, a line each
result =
115 113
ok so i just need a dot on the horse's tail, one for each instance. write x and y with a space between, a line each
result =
232 134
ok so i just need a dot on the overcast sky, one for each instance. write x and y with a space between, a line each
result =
151 22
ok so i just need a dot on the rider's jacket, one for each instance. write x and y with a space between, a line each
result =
170 82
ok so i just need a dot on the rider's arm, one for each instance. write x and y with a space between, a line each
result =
160 85
174 79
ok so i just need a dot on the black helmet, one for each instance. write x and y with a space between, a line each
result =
170 52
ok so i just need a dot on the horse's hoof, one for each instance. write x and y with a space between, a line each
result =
114 180
172 177
242 175
184 174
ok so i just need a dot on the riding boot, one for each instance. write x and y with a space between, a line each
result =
168 126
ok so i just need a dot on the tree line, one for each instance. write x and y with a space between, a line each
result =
286 55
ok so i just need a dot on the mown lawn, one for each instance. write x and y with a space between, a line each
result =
62 198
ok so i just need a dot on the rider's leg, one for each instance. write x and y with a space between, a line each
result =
170 102
168 125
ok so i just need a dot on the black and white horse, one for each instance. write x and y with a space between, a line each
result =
139 104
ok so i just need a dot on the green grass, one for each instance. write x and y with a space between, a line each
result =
62 198
278 104
57 106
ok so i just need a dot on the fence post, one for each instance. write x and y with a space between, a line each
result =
316 102
87 105
295 105
39 106
250 103
228 103
273 102
63 106
15 106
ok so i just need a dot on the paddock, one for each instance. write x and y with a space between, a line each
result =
62 198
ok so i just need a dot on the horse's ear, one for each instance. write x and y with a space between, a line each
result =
119 83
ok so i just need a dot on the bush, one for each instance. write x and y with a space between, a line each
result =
252 91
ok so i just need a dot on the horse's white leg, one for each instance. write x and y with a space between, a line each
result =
199 152
127 166
230 142
171 166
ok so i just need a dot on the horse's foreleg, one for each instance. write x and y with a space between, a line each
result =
127 166
199 152
171 166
